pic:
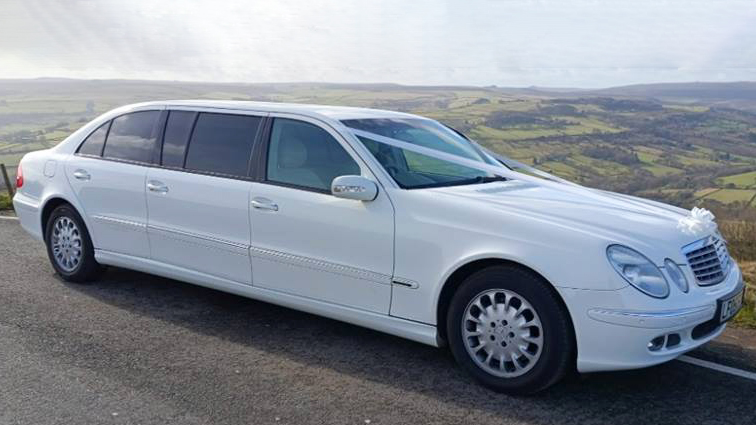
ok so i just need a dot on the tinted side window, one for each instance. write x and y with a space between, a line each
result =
177 132
95 141
305 155
222 143
133 136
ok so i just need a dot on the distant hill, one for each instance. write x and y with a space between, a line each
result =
738 95
698 91
745 90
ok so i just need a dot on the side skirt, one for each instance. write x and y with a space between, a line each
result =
415 331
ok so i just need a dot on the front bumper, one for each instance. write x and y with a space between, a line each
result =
614 328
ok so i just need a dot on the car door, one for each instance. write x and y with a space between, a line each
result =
304 240
198 199
108 176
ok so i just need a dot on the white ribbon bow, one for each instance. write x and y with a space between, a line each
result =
699 221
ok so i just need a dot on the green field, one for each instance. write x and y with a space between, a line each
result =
699 194
731 195
743 180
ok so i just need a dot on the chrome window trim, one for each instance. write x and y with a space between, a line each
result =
167 109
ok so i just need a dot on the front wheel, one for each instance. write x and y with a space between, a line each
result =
69 246
509 330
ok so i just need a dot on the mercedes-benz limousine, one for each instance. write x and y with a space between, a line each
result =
386 220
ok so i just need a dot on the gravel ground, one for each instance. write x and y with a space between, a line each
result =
137 349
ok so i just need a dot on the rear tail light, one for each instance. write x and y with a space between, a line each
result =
19 177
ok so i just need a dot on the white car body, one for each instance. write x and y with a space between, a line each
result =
382 264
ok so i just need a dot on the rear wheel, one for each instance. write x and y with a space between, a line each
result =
69 246
509 330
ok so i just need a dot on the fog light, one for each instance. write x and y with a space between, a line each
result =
656 344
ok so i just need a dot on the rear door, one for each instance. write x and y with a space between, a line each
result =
198 199
108 175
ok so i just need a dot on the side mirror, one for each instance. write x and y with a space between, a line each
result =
354 187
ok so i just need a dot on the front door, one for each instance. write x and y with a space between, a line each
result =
304 240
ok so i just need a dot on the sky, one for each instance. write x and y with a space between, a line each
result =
514 43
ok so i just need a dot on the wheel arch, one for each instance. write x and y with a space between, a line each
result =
466 269
49 206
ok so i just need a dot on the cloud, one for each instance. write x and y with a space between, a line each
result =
505 42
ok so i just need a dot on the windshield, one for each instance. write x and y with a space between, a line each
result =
412 170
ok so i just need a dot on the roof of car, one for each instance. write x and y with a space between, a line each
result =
333 112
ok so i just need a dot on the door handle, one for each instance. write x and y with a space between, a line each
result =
81 175
157 187
264 204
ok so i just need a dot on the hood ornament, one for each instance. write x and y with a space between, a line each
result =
699 221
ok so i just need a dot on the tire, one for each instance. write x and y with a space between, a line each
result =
542 325
69 246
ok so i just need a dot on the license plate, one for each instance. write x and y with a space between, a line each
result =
729 307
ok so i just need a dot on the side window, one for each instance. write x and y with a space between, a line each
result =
177 132
132 136
305 155
222 143
95 141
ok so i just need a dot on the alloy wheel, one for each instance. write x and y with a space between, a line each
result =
502 333
66 243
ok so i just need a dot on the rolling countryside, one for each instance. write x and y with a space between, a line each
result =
687 144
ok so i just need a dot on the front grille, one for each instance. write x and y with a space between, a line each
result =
708 259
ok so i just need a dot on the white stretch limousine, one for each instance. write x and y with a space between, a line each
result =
389 221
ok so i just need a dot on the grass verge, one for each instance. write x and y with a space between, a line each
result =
5 202
747 316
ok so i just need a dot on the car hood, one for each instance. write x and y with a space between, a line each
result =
648 226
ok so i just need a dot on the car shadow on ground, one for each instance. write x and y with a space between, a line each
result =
673 392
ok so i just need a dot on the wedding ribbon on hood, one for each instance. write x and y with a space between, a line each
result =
699 220
517 165
544 179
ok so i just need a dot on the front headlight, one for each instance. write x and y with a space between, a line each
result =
676 274
638 271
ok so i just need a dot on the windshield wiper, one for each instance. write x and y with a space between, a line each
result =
476 180
489 179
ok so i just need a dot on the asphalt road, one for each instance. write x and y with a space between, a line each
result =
137 349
